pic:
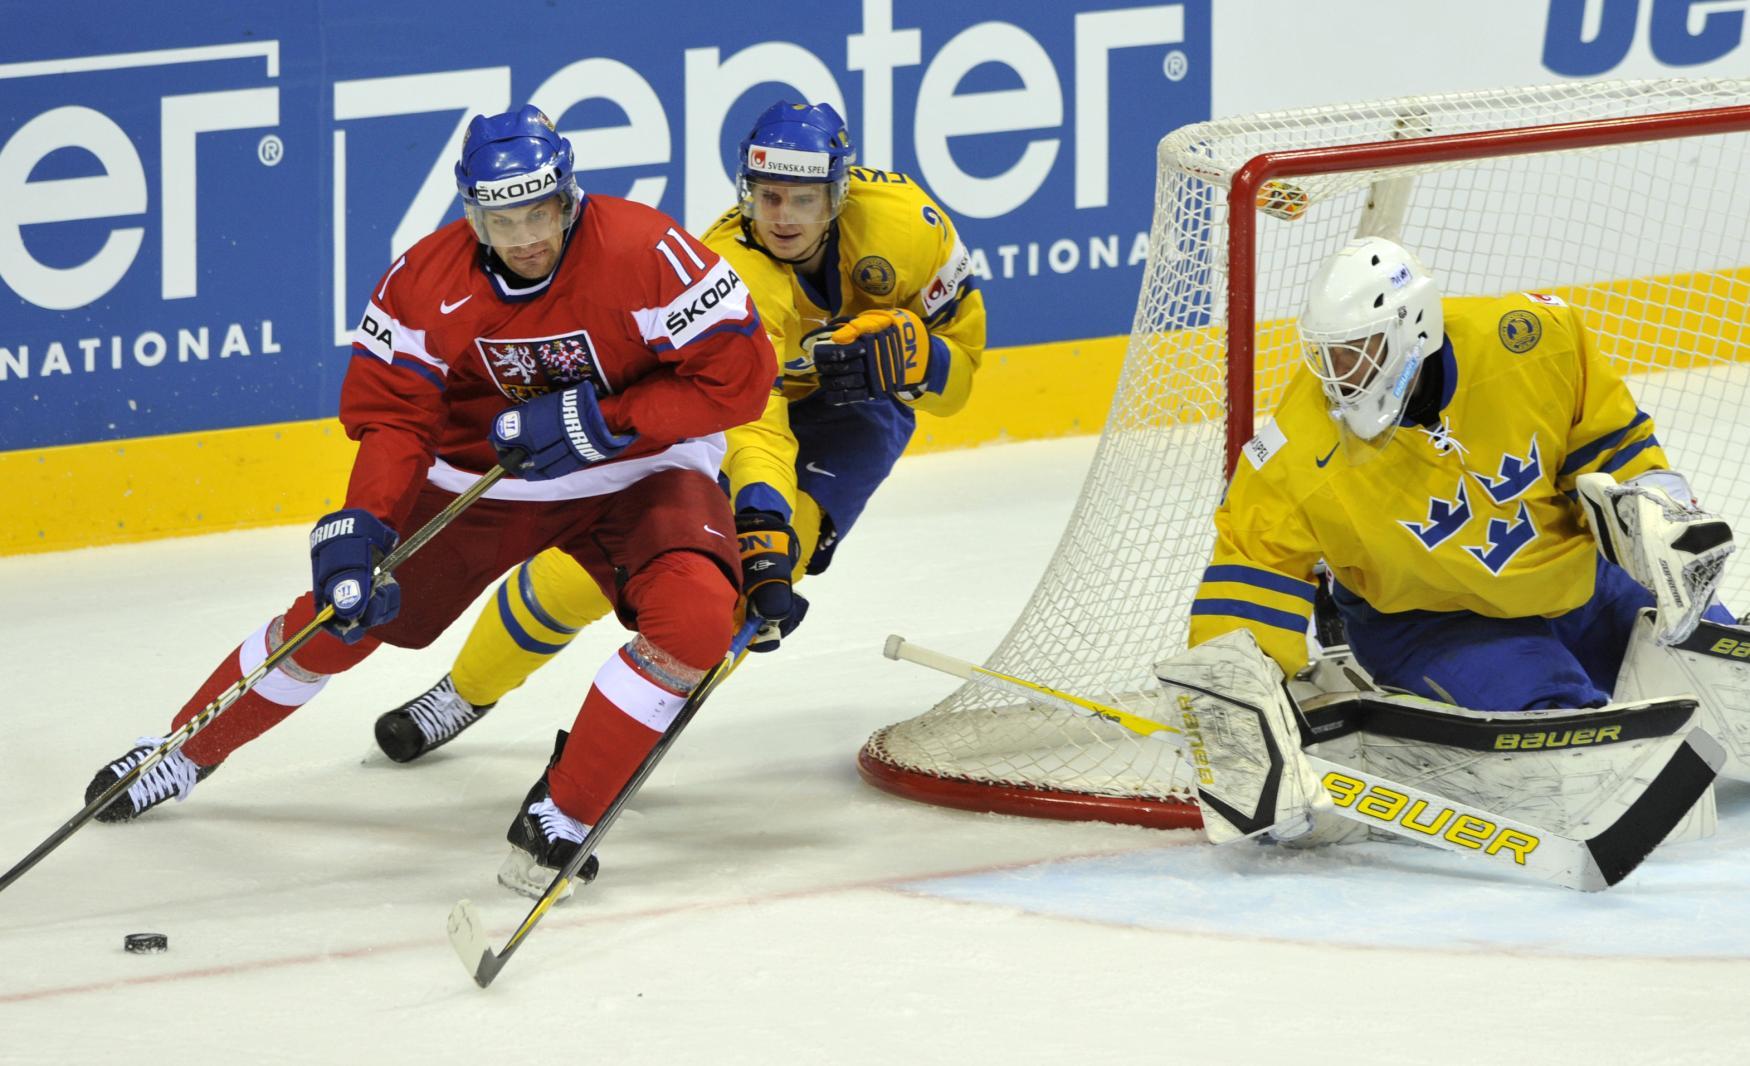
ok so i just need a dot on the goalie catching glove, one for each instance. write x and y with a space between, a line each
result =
1664 541
878 353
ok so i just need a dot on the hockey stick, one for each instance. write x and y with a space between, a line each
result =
899 648
239 688
1588 864
468 933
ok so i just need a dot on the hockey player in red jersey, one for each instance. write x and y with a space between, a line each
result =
596 351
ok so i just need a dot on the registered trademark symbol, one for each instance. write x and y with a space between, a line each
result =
271 150
1176 65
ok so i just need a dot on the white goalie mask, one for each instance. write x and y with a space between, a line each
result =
1372 316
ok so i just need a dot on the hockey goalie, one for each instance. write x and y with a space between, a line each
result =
1537 667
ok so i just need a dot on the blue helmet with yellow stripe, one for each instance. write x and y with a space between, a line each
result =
804 144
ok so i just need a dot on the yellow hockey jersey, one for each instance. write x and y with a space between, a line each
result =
892 247
1474 514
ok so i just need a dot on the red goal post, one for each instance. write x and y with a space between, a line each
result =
1630 200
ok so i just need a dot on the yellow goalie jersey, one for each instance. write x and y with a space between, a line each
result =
892 247
1473 514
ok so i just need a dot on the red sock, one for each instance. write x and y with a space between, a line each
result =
620 721
273 698
243 721
684 604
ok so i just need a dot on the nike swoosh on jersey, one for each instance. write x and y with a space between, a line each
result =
1327 458
713 532
811 468
446 307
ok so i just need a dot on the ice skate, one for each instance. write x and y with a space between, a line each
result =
429 721
543 839
174 777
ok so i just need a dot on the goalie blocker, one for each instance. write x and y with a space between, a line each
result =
1502 787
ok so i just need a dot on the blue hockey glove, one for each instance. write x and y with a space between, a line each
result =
772 633
769 553
556 434
345 547
877 354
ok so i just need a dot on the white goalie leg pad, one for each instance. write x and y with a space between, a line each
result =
1332 673
1712 665
1674 549
1568 772
1243 738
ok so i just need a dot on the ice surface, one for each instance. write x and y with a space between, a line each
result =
758 903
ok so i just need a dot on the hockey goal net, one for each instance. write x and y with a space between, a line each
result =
1629 200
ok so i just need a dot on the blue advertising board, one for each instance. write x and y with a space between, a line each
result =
1591 38
194 207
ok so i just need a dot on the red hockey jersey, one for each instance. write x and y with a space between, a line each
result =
658 323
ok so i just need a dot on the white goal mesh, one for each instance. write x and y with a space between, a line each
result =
1649 238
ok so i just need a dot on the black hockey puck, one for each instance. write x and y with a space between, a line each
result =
145 943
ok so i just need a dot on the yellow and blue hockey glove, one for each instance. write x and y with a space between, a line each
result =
769 553
877 354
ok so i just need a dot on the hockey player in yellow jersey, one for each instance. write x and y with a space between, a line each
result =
1435 454
866 293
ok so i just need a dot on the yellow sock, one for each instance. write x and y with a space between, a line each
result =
538 609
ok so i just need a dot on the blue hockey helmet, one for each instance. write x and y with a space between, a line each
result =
514 160
802 144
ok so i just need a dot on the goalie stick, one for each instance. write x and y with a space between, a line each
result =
898 648
242 686
466 930
1587 864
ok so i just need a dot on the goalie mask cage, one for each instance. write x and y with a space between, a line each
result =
1629 200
